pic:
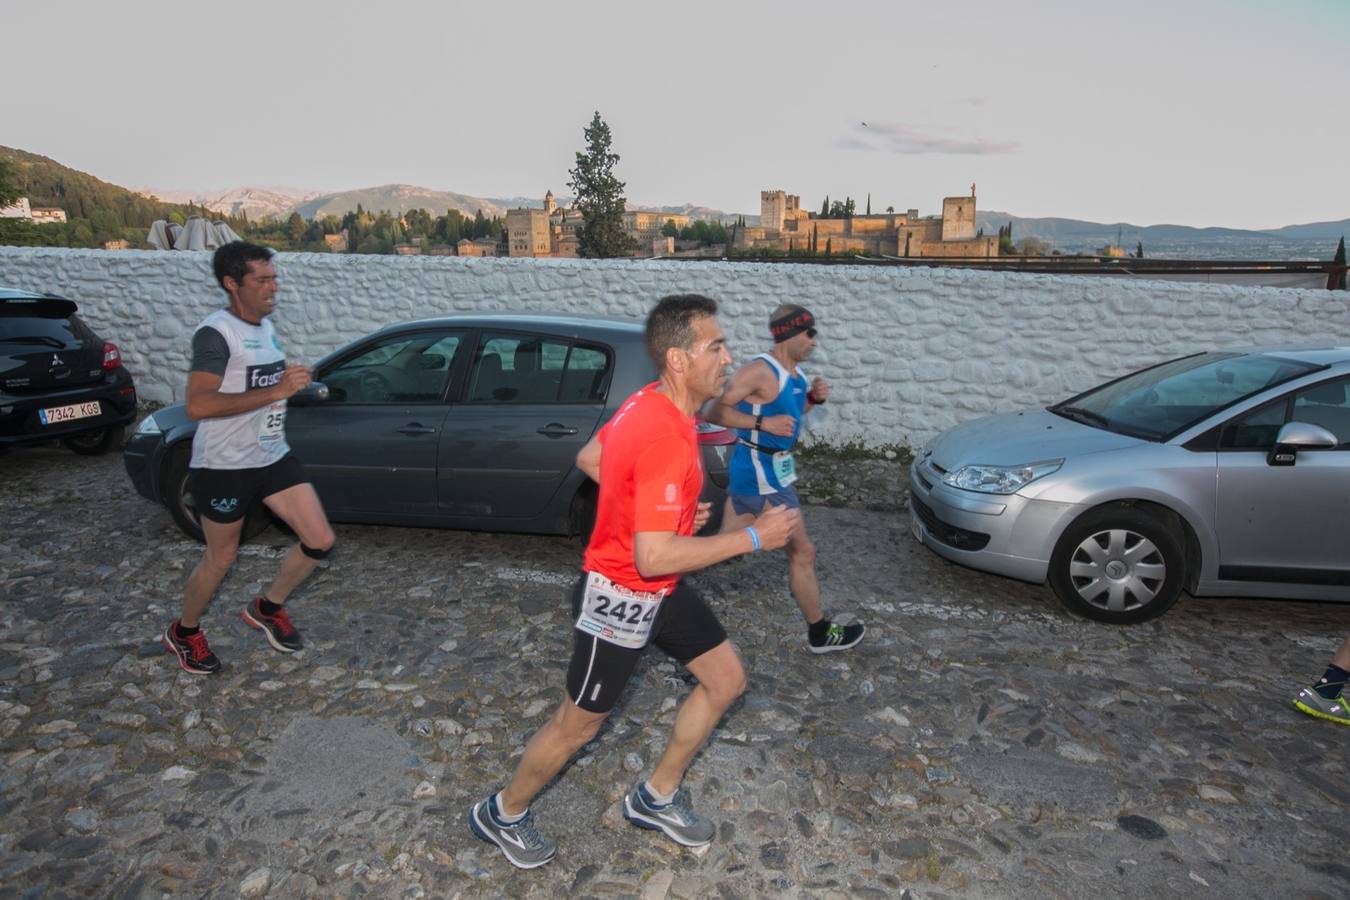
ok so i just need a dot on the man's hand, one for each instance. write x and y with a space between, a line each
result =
294 380
782 426
701 516
820 390
774 525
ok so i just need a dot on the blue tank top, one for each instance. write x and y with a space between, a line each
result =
767 466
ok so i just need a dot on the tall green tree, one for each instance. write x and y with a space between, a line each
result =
599 196
825 208
1336 280
869 203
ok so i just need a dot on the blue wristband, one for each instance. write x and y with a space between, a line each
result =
754 537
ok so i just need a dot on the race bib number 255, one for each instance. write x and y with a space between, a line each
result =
617 614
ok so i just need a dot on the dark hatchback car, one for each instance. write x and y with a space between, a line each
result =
58 379
470 422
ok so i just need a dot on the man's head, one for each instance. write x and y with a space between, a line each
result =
794 330
686 342
245 272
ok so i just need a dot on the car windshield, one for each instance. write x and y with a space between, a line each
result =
1163 401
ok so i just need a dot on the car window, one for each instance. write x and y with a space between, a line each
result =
406 368
40 324
1255 430
1160 402
1327 405
522 368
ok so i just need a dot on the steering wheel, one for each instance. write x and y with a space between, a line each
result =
375 388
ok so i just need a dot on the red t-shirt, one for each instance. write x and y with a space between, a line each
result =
650 478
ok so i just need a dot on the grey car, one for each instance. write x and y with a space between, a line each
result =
1224 473
469 422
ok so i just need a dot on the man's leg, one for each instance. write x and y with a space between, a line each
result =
568 730
721 679
801 554
222 546
184 638
299 507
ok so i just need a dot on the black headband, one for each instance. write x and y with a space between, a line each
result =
791 324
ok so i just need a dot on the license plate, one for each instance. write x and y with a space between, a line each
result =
55 414
914 528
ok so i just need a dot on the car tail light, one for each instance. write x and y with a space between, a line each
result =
716 435
112 358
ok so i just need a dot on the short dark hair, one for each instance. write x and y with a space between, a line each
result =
671 324
232 259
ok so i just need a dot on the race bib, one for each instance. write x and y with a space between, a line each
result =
272 423
616 614
784 467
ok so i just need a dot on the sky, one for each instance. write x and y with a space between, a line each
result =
1191 112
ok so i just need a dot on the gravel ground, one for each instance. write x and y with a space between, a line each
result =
979 743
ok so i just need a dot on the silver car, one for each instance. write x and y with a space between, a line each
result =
1223 473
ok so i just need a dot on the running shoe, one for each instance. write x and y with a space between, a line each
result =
1314 704
193 654
520 842
280 633
676 818
837 637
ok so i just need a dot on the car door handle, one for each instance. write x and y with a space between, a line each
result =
553 429
416 428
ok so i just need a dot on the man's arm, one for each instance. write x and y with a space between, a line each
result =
205 400
588 459
657 553
755 384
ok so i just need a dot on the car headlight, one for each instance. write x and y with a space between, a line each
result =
148 425
1000 479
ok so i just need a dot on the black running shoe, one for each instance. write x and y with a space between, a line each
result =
837 637
280 633
193 654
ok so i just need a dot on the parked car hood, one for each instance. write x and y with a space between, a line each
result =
1015 438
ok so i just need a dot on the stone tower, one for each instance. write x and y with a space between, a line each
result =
772 210
549 203
958 218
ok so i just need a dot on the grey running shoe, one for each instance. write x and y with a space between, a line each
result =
522 845
1314 704
837 637
677 819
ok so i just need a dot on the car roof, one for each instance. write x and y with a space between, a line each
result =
16 294
1313 354
591 324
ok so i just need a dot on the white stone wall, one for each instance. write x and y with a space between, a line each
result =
909 351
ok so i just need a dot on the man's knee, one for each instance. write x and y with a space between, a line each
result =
575 728
322 548
730 684
802 551
221 558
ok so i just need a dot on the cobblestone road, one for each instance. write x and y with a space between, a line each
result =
980 743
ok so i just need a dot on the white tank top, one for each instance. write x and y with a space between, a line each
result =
253 439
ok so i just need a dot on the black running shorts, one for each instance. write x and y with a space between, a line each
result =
225 495
685 629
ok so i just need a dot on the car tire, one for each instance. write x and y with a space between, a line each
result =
581 518
178 500
96 443
1119 564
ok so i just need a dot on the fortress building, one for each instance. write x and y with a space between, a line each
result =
553 230
785 226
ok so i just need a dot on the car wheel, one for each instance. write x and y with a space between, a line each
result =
581 519
183 508
1119 564
96 443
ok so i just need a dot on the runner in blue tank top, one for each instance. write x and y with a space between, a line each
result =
765 401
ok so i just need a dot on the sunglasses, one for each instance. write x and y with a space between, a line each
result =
810 332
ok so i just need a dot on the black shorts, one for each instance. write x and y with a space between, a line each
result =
225 495
685 629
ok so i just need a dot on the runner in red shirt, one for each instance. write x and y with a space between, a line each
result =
646 460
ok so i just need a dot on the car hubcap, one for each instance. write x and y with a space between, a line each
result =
1117 570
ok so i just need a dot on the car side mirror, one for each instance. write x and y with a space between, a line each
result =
1296 436
315 393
